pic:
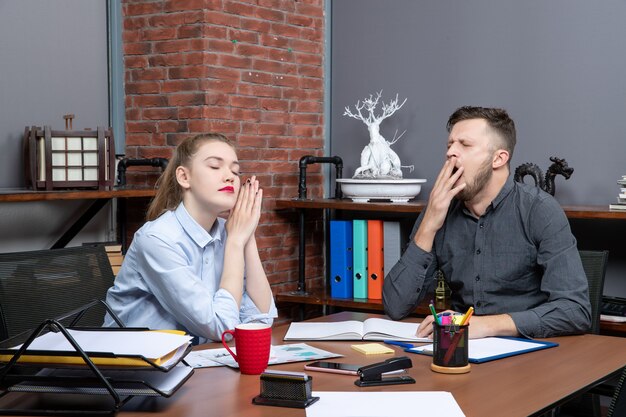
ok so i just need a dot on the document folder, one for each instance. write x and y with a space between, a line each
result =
359 243
341 258
375 259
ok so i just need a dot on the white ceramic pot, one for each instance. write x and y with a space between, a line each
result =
363 190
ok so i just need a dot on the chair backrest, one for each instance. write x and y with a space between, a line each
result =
618 403
594 263
46 284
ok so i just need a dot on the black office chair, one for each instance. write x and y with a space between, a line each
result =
46 284
594 264
618 404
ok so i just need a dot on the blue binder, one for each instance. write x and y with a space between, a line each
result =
359 234
341 258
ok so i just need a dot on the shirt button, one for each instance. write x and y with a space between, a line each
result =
206 261
477 251
478 304
425 266
418 290
477 278
482 225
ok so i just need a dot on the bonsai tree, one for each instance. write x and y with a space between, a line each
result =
378 160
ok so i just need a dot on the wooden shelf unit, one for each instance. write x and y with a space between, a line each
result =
317 297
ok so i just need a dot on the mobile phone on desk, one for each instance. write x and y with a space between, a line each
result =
333 367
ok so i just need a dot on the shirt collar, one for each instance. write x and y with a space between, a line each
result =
506 189
197 233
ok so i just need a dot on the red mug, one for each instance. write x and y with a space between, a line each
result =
252 343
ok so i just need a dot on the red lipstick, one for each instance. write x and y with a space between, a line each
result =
228 189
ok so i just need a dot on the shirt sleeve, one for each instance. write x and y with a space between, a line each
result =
173 282
567 309
406 284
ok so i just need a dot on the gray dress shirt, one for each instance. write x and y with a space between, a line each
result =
519 258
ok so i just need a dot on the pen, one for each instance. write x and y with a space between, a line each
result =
432 310
401 344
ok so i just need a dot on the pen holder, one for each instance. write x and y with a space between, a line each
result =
285 389
450 349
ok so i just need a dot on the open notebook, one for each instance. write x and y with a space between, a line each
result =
370 329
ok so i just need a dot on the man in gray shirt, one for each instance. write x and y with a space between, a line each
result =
504 247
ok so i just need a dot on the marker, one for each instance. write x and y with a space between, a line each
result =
432 310
401 344
467 316
446 318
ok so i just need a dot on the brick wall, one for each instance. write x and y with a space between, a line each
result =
252 70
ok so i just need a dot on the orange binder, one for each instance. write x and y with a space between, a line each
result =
375 256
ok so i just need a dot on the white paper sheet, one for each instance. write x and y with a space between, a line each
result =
384 404
150 344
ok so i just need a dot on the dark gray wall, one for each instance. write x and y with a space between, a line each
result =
53 57
53 61
558 67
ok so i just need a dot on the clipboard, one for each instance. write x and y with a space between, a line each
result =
493 348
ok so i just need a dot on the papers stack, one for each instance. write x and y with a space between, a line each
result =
621 197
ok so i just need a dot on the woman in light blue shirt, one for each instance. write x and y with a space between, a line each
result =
187 268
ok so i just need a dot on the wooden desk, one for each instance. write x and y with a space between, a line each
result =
523 385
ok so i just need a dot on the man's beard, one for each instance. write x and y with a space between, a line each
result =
482 178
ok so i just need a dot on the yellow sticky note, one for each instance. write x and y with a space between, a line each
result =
372 349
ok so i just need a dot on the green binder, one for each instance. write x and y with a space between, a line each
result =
359 267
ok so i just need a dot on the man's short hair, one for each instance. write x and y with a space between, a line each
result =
497 119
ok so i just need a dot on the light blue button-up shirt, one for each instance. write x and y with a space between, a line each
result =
170 279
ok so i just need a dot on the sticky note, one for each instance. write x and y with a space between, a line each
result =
372 349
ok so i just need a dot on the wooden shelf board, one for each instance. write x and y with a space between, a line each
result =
572 212
22 195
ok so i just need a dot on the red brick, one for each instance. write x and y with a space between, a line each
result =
217 99
270 66
271 14
259 90
304 119
186 99
274 117
173 86
142 87
309 59
131 23
223 73
309 10
220 45
234 61
310 71
312 83
197 71
148 74
160 113
190 31
272 129
215 32
281 55
275 41
249 128
286 5
222 18
142 8
299 20
242 101
216 112
248 154
190 112
282 142
222 86
240 9
178 5
294 94
286 80
246 114
138 48
274 104
309 107
132 114
160 152
255 24
311 143
129 36
252 50
252 140
168 60
243 36
158 34
226 128
311 34
141 127
136 61
300 45
256 77
175 46
170 126
176 19
150 101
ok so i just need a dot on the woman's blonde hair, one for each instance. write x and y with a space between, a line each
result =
169 193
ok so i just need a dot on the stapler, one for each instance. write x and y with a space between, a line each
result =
372 375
